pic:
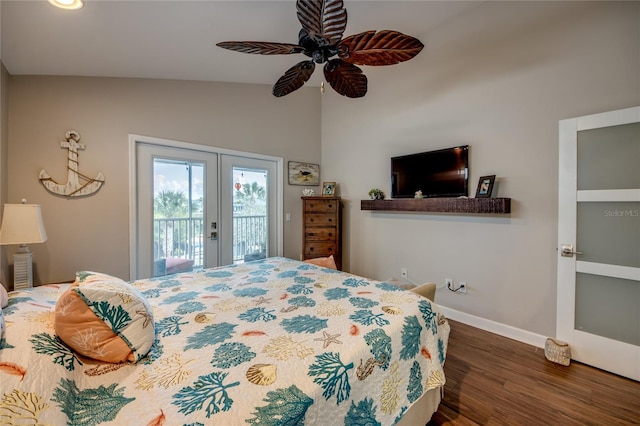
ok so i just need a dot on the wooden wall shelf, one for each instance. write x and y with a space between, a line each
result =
441 205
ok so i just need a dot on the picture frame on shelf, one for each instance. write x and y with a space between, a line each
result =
328 189
307 174
485 186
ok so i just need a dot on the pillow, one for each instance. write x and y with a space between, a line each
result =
427 290
4 301
104 318
4 297
325 262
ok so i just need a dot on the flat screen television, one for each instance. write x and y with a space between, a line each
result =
441 173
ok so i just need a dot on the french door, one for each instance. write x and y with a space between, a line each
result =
195 207
177 210
249 226
599 240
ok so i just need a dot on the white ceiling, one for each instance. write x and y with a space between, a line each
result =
176 39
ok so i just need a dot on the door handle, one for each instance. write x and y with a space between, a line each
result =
214 236
567 250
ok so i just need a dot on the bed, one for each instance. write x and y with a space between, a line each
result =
270 342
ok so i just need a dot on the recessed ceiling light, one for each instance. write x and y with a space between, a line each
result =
67 4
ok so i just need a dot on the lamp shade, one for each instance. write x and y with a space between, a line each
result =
22 224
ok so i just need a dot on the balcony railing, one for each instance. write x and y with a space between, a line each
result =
183 238
249 237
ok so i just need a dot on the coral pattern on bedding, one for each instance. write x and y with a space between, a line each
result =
270 342
104 318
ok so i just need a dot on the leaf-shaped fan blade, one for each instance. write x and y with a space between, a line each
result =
346 79
379 48
294 78
261 47
323 20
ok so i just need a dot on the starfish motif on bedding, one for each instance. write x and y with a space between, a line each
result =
262 300
147 317
328 339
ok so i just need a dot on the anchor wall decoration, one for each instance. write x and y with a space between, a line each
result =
77 185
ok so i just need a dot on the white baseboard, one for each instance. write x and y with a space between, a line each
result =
495 327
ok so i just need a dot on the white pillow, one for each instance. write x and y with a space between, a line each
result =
4 298
4 301
1 324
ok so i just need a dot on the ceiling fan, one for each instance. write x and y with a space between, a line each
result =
323 24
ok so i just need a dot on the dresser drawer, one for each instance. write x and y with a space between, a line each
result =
320 234
320 249
319 220
321 206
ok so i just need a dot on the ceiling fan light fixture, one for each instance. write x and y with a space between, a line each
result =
67 4
323 24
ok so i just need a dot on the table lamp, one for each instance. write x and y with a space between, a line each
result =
22 224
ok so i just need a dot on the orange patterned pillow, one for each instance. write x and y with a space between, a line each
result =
325 262
104 318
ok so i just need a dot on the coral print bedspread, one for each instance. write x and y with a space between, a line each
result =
271 342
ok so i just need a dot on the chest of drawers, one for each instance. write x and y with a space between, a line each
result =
321 228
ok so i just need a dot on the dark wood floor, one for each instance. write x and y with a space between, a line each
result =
492 380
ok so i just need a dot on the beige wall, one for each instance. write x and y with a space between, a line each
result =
503 93
4 143
92 233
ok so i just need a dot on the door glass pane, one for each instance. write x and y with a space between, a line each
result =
608 157
249 214
608 307
178 213
609 233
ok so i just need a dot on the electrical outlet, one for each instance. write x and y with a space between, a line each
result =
404 273
463 287
449 283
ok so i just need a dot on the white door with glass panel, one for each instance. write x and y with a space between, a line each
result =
177 210
598 311
249 225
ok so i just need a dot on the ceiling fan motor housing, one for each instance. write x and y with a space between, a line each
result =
319 50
